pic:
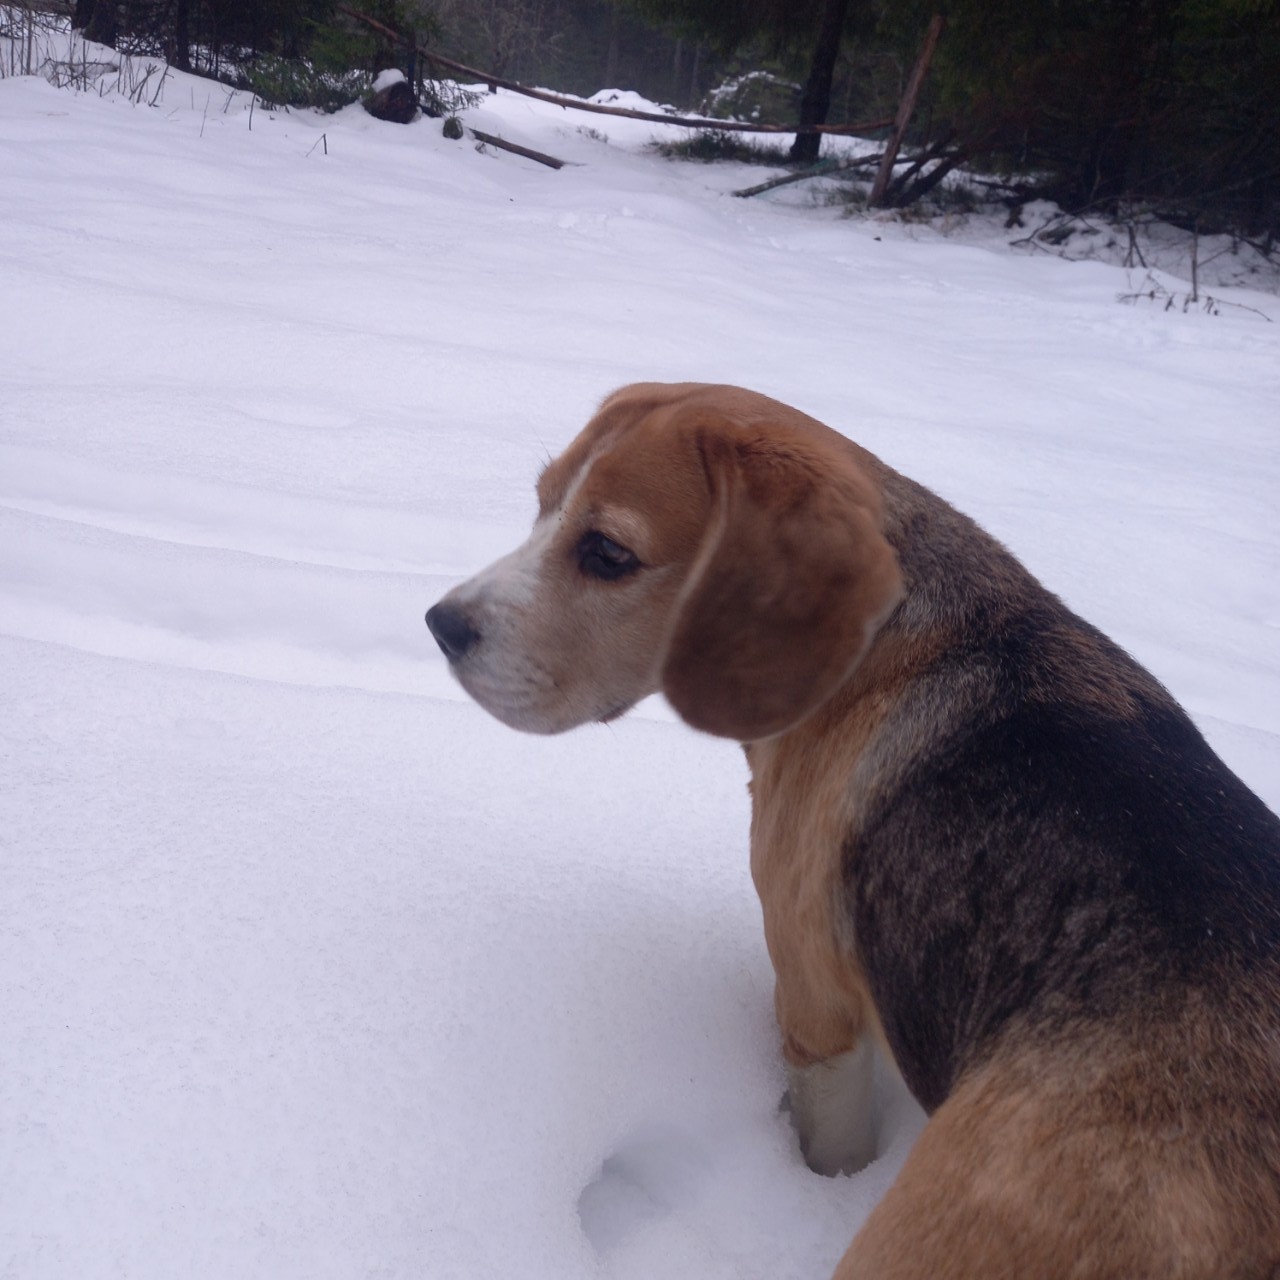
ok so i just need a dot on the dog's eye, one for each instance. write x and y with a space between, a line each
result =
601 557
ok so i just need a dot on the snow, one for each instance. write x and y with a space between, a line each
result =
307 967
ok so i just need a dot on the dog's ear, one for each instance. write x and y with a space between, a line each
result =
793 580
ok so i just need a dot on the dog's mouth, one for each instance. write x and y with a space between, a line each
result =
615 712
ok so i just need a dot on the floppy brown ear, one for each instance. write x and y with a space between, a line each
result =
792 582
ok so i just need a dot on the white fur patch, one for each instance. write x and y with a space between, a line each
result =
513 581
831 1109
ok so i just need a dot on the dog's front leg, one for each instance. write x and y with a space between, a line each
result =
830 1053
821 1000
831 1109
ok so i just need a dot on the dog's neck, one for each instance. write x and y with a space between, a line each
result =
958 582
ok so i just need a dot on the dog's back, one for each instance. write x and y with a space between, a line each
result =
1068 913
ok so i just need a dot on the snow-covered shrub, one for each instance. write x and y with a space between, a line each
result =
759 96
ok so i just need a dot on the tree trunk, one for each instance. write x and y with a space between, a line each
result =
97 19
816 100
179 51
384 52
611 62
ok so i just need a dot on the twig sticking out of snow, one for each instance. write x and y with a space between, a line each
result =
1153 291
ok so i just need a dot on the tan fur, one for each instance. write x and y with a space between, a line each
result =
800 811
802 808
1129 1157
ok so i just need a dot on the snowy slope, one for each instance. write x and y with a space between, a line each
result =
309 969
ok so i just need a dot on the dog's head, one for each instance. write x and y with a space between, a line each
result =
702 541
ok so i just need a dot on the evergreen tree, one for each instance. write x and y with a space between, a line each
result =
1166 101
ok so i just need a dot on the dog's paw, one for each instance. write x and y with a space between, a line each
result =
831 1107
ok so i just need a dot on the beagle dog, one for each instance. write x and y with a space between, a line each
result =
984 838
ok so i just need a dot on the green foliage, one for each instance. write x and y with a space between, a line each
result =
337 57
710 145
1165 101
291 82
335 48
1170 103
754 95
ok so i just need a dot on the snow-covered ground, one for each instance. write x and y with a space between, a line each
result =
308 968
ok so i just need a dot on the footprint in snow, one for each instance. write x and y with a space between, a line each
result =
647 1178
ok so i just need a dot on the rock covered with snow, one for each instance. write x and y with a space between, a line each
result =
392 98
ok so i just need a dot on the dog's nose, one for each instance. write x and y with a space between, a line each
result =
453 633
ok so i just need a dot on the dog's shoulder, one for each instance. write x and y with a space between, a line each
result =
1042 831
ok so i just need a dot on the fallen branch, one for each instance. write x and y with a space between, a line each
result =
540 156
577 104
904 195
825 169
910 186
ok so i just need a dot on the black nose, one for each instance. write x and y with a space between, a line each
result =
453 633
